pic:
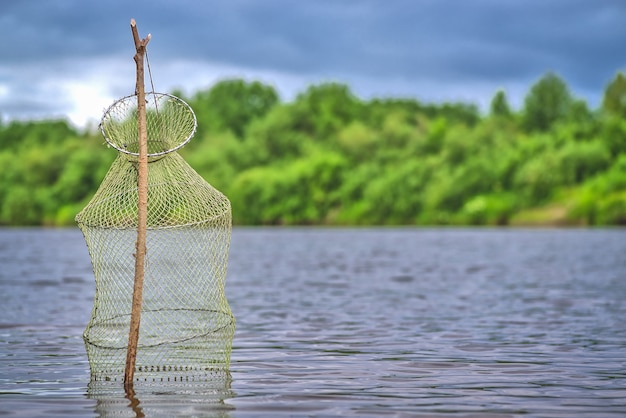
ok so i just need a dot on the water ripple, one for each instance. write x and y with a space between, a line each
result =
361 322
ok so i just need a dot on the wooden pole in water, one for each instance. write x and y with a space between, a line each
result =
142 209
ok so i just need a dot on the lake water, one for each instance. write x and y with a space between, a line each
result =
357 322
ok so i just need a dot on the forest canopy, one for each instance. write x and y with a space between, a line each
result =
331 158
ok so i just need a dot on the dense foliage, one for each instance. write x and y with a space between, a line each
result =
329 157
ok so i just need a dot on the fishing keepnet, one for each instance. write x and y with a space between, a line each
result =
187 326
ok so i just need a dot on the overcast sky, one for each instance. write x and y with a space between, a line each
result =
73 58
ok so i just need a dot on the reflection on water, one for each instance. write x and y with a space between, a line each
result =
163 399
362 322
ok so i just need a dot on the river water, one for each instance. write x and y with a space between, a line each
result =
352 322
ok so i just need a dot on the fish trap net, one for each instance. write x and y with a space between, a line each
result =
187 326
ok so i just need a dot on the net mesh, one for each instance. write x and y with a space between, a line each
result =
187 326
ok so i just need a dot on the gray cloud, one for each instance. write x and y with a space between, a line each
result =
400 47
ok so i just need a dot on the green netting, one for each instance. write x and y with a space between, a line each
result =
187 326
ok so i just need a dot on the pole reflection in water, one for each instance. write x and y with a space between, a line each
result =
134 402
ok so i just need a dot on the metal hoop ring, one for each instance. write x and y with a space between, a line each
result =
157 96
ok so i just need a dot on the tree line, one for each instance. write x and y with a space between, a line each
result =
329 157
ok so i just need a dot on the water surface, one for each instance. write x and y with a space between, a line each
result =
362 322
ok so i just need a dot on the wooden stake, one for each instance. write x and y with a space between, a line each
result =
142 210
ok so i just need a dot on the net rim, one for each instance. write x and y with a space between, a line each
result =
109 109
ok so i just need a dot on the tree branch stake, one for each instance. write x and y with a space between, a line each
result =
142 209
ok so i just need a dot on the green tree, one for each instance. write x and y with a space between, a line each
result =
500 105
458 112
277 136
538 177
357 141
322 110
330 157
233 104
613 133
301 191
19 207
581 160
33 134
614 101
548 101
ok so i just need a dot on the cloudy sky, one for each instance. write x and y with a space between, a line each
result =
72 58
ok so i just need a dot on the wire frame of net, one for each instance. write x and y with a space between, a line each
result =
187 327
170 124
